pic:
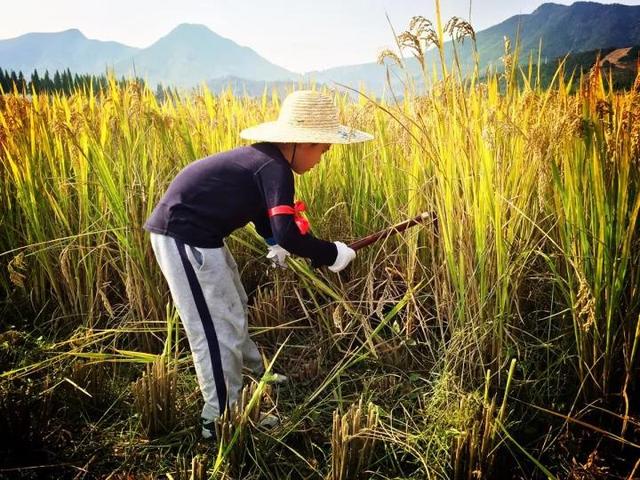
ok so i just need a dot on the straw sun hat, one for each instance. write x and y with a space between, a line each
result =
306 116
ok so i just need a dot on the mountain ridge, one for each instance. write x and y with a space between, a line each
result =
192 54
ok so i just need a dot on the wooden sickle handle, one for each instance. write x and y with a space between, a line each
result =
400 227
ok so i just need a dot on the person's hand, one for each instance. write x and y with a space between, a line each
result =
345 255
278 256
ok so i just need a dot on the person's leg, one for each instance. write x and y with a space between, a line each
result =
250 353
204 292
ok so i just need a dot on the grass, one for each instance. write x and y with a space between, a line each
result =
461 340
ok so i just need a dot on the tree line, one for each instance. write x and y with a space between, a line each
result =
63 82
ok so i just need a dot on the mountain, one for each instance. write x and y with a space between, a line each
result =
255 88
191 54
618 64
368 76
581 26
59 51
188 55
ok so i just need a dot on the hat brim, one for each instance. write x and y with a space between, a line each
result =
276 132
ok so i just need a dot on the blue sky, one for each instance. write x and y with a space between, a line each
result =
300 35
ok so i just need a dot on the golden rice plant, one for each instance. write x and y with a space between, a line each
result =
268 313
353 441
474 450
238 420
525 182
597 201
196 470
155 397
238 415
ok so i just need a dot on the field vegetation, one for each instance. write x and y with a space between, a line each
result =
499 341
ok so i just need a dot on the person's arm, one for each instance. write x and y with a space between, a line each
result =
275 182
263 227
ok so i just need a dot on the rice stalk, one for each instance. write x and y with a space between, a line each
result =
155 397
353 441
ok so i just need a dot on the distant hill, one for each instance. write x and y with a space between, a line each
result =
582 26
192 54
187 56
59 51
371 75
253 88
622 63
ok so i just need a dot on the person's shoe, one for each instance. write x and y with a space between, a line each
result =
209 429
268 420
272 378
276 378
255 369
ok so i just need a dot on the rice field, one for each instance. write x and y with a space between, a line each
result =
499 342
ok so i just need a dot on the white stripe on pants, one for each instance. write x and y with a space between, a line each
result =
212 303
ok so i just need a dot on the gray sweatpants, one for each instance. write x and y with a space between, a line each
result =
212 303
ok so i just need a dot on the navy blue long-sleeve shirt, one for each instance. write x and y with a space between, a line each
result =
212 197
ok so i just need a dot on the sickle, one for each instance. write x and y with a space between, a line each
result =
400 227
